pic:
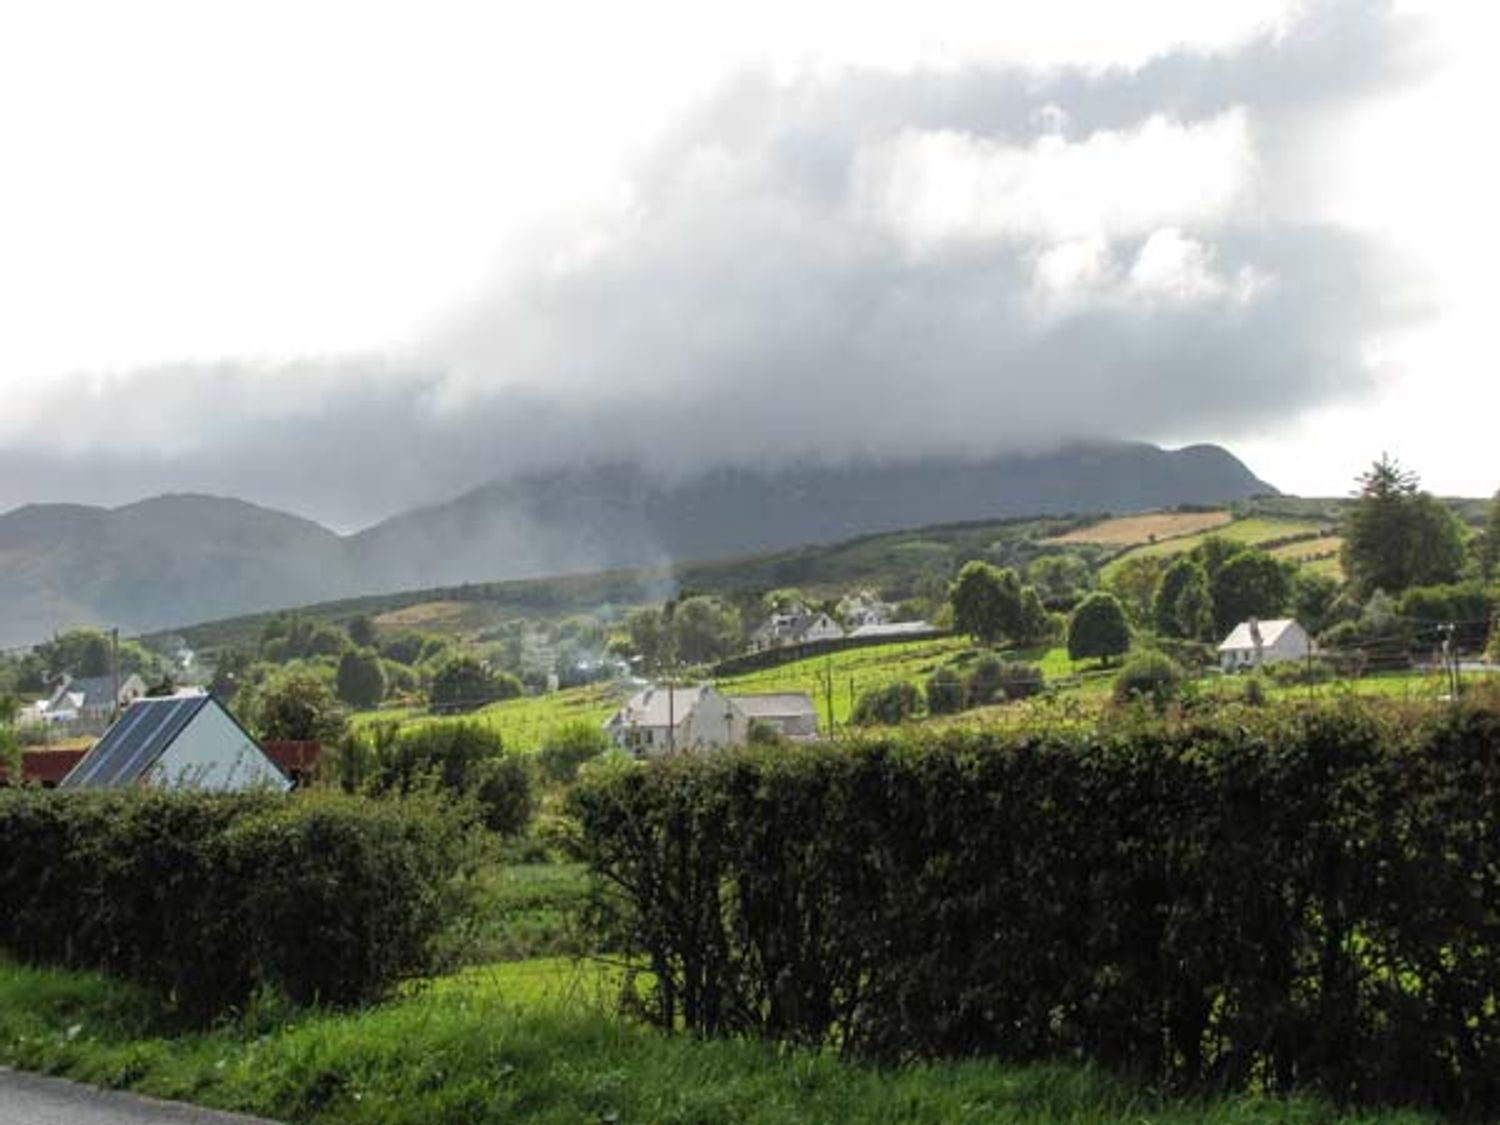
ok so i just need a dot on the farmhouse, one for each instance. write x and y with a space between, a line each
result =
177 741
791 714
675 720
1254 643
91 699
798 627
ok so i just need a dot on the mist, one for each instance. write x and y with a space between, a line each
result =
956 262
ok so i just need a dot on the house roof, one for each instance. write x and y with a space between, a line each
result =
784 705
650 708
1270 633
138 739
93 691
894 629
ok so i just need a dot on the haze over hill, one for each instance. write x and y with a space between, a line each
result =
174 560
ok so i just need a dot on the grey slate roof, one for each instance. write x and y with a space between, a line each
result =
130 747
97 691
784 705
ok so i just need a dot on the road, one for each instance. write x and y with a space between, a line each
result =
34 1099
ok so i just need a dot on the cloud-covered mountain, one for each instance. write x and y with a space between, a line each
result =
176 560
865 266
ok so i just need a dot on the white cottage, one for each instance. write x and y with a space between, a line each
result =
1254 643
677 720
799 627
177 741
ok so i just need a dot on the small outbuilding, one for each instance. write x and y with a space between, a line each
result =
177 741
1254 643
790 714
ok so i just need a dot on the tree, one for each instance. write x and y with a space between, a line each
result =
361 680
1313 598
1251 584
11 760
462 683
569 746
1036 624
986 602
1183 572
704 630
1149 676
293 705
1489 544
1133 581
1059 578
1195 610
650 638
1098 629
362 631
1397 536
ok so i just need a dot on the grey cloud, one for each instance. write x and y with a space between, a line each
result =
744 311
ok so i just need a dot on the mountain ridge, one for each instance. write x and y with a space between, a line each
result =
179 558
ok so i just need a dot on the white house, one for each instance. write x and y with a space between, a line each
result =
92 699
863 607
799 627
177 741
1254 643
791 714
676 720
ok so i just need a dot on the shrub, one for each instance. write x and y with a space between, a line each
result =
888 705
986 681
1236 900
945 692
762 733
1255 691
568 747
462 759
361 679
295 705
506 794
1148 676
1098 629
208 899
1020 680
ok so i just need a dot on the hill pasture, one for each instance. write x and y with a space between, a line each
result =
1144 527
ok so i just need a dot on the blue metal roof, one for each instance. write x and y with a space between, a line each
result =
130 747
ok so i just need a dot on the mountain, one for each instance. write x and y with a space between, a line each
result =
164 561
178 559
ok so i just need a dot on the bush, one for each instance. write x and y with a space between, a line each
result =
1148 676
986 681
888 705
945 692
506 794
1020 680
208 899
1267 900
568 747
462 759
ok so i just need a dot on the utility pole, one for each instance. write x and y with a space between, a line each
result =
828 691
114 672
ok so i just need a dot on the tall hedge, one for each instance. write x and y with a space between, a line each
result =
1280 900
209 898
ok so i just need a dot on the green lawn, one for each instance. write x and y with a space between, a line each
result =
541 1041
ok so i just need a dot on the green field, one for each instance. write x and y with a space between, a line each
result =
543 1041
1252 530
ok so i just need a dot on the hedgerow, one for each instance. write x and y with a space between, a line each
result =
1255 899
209 899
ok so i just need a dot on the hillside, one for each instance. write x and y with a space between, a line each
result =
174 560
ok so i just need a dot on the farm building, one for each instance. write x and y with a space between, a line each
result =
1253 643
91 699
792 714
895 630
673 720
799 627
186 741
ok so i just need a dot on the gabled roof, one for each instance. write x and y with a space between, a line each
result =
1270 633
784 705
138 739
650 708
93 691
894 629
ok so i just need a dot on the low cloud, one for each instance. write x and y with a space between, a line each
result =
871 265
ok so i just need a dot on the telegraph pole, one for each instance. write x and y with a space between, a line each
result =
114 672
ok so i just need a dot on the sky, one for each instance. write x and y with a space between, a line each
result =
345 258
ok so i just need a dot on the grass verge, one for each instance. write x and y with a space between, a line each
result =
538 1041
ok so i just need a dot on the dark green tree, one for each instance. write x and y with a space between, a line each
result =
361 680
1182 571
945 692
986 602
1396 535
889 704
462 683
1036 623
362 631
1059 578
1194 610
1313 597
1489 543
1250 584
295 705
704 630
650 638
1098 629
1133 580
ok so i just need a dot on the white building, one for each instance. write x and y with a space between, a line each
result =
790 714
677 720
1254 643
895 630
177 741
92 699
799 627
